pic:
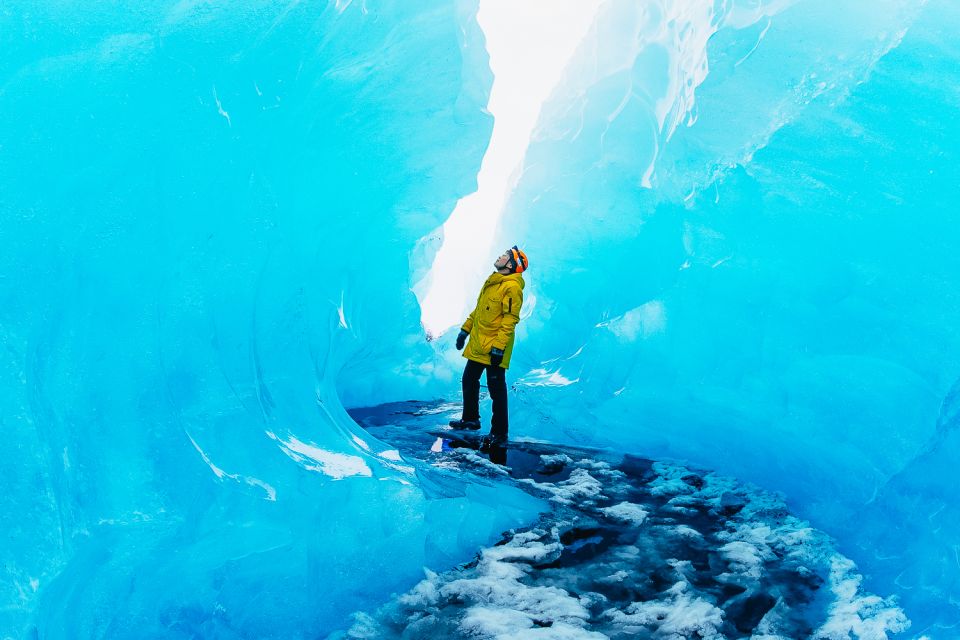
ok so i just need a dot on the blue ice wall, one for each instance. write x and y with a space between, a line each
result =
741 220
769 287
206 212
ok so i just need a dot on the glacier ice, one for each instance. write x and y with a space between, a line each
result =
741 219
780 303
206 211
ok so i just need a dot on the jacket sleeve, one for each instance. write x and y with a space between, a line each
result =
512 301
468 323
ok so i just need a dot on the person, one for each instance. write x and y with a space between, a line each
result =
490 329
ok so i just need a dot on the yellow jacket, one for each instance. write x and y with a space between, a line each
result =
492 322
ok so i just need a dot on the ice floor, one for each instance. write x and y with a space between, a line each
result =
630 548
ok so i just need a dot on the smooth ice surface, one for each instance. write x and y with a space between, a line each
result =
206 211
760 275
742 225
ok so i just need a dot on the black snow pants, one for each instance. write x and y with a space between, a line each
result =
496 385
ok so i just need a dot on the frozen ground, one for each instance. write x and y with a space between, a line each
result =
631 548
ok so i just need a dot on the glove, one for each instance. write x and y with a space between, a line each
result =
496 356
461 339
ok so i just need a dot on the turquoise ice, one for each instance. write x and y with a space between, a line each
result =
742 225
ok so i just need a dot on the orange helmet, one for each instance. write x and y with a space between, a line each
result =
518 259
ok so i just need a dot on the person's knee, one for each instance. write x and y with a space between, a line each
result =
470 377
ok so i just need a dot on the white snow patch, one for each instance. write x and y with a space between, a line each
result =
615 578
668 481
597 465
856 615
391 454
498 605
557 460
679 617
336 465
424 594
255 482
766 533
483 462
496 622
746 559
531 551
557 631
626 512
580 487
364 627
684 531
496 586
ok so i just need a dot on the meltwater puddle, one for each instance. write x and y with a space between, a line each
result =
630 548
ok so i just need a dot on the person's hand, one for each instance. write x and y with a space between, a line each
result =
496 356
461 339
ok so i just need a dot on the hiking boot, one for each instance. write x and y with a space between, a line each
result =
472 425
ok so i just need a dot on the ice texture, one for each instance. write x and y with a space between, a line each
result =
742 225
206 212
759 273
